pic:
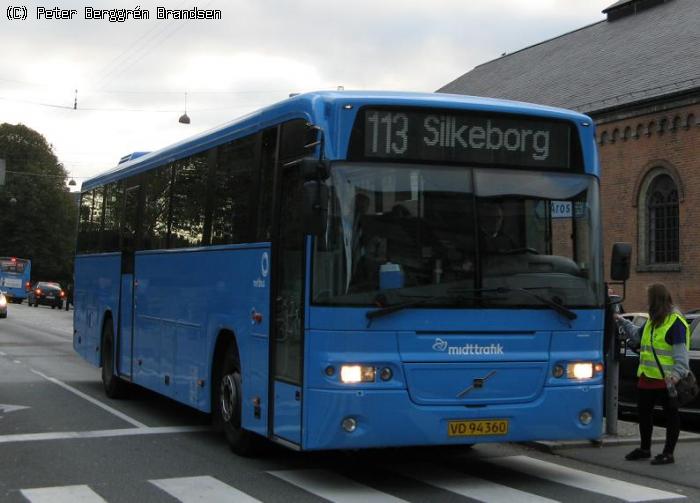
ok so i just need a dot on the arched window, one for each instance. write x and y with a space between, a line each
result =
662 221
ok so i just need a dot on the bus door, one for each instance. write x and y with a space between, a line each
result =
288 310
125 337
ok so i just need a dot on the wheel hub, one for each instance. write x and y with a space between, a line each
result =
228 397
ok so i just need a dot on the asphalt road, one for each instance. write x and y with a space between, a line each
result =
62 440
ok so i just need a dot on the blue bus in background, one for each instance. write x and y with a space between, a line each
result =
15 277
348 270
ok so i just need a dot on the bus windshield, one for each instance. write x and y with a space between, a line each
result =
458 236
12 266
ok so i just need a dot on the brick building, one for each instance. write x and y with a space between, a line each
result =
637 73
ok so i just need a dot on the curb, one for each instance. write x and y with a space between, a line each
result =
605 441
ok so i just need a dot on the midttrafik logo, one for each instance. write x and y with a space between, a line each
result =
468 349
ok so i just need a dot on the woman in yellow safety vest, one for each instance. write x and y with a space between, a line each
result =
668 331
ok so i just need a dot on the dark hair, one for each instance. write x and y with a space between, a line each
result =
660 303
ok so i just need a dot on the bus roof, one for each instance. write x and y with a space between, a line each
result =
316 107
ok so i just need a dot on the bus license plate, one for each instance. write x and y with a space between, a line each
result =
478 428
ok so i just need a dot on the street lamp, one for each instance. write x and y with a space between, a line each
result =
184 118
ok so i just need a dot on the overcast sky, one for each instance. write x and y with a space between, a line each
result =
132 77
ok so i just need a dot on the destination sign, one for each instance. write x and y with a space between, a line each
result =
478 138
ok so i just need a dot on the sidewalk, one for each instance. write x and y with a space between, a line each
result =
610 452
627 434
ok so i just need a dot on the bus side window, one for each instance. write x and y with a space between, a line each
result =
133 206
114 197
232 192
268 159
84 222
157 208
188 201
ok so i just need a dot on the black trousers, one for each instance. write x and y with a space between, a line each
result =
648 398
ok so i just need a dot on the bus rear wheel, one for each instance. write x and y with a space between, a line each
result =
227 402
113 385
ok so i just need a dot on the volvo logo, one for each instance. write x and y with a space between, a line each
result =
476 384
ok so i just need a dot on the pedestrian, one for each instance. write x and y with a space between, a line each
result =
665 333
69 295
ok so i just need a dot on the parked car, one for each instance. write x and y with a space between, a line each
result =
628 376
3 305
638 319
47 293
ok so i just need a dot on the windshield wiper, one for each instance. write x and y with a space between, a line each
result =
383 311
559 308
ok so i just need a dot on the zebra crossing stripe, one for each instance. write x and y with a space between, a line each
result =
65 494
198 489
334 487
470 486
580 479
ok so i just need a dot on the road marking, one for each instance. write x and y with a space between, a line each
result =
92 400
65 494
469 486
333 487
3 354
197 489
5 408
580 479
17 362
121 432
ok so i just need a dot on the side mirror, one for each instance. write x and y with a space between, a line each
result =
620 263
315 208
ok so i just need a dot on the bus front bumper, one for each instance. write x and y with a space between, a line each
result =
388 418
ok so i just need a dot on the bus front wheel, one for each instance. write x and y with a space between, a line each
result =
227 405
113 385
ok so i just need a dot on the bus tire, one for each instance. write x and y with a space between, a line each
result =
227 400
113 385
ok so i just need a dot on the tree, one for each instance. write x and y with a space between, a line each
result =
38 215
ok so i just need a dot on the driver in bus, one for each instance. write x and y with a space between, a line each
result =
492 239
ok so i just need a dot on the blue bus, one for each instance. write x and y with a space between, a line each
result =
15 276
347 270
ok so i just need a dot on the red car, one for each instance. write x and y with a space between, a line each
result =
46 293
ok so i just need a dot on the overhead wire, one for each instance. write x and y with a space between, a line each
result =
112 109
111 67
153 44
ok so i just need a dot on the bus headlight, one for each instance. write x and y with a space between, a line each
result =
3 300
352 374
579 370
